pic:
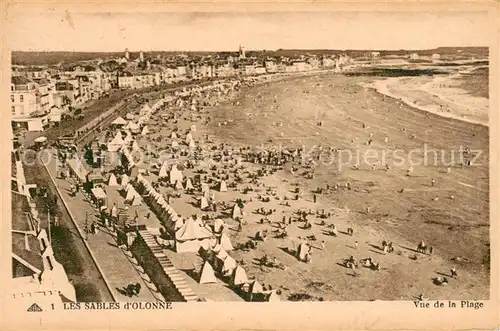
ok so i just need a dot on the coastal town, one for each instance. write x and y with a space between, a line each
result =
202 177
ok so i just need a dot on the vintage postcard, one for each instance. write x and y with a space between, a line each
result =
327 166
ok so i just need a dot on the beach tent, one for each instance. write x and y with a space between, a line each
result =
221 254
229 266
175 175
225 242
273 297
135 146
178 185
223 186
136 200
114 211
302 251
239 276
112 182
255 287
124 180
130 193
128 139
189 184
163 170
190 237
237 212
116 143
145 131
189 138
218 225
207 274
178 223
119 121
203 203
134 127
173 135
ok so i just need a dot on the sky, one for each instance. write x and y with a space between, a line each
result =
184 31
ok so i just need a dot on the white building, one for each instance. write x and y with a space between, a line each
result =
37 277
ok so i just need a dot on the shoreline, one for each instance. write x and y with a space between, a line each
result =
381 87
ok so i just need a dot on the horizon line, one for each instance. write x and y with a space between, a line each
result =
250 50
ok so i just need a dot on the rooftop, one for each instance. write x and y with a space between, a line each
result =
20 80
30 253
19 208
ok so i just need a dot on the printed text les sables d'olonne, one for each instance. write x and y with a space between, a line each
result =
117 305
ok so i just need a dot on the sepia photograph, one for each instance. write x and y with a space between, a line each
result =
251 157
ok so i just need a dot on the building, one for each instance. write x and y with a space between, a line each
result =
23 97
414 56
436 56
37 277
300 66
270 65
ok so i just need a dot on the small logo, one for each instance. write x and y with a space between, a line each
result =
34 308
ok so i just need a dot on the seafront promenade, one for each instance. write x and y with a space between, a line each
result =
118 270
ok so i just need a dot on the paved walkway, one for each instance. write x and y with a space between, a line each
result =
118 270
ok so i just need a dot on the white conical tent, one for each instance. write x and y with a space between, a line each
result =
203 203
218 225
131 193
136 200
128 139
124 180
239 276
134 127
226 242
189 138
273 297
223 186
178 185
112 182
163 170
173 135
114 211
179 222
222 254
302 251
205 189
135 146
207 274
119 121
189 184
175 175
145 131
229 265
255 287
237 212
116 143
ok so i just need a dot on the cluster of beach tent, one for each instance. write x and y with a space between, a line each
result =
217 260
189 234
